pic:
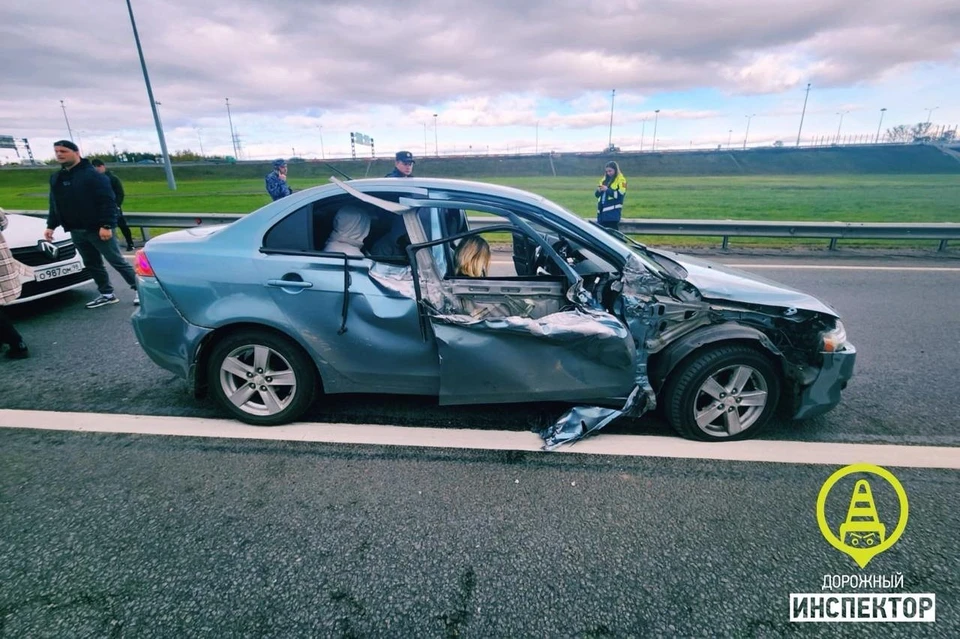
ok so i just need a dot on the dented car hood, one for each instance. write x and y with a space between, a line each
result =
719 282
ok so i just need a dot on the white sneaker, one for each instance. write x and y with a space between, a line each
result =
103 300
136 299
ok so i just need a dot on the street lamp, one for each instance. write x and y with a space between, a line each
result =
200 139
803 113
749 117
424 139
613 94
436 143
233 136
729 138
153 106
879 124
841 114
656 116
643 128
323 155
930 113
159 104
69 130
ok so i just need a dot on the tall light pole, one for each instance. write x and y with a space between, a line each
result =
69 130
613 94
80 140
436 143
202 154
803 113
233 136
159 119
153 104
882 111
425 152
729 138
323 155
930 113
841 114
749 117
656 116
536 143
643 129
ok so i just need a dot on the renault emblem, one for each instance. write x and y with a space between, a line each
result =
49 249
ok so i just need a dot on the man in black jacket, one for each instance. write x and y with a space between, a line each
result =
82 202
403 167
118 195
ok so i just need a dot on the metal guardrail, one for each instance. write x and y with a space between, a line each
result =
833 231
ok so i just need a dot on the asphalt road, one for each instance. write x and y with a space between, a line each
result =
904 323
145 536
126 536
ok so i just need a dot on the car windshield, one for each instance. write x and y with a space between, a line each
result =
660 263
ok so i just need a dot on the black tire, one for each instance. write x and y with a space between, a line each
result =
271 401
703 384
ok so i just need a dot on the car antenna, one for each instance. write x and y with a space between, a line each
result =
332 167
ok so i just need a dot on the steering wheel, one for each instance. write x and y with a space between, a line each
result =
566 252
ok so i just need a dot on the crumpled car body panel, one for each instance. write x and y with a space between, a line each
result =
612 331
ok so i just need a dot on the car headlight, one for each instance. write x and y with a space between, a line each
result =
833 340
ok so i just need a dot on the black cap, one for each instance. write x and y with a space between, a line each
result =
67 144
405 156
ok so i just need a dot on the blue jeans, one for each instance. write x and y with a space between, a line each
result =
93 250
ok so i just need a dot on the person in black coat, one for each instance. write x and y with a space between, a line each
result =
82 202
118 195
403 167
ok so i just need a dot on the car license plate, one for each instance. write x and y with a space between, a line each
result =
44 274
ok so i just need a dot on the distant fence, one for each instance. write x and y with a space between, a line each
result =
832 231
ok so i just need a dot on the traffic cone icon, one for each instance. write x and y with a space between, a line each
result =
863 528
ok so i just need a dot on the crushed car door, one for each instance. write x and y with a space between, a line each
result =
521 338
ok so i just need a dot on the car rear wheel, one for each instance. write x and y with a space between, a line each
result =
262 378
722 393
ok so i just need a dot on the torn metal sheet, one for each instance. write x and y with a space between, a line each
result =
643 317
565 356
394 278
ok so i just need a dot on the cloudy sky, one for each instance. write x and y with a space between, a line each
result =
501 75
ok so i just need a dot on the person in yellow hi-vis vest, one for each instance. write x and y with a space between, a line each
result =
610 194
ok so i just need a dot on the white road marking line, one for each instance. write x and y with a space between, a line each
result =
625 445
841 267
828 267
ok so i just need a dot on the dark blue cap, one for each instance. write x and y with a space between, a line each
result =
278 163
405 156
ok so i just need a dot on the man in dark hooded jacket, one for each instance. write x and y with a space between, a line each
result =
82 202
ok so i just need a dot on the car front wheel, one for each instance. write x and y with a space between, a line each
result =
722 393
261 378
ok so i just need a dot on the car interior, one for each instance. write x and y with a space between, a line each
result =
530 283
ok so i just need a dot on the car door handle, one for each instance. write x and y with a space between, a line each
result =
289 284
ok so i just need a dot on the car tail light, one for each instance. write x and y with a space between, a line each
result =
142 265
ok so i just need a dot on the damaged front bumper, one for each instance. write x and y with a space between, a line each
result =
824 393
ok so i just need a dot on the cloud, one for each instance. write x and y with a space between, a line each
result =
491 64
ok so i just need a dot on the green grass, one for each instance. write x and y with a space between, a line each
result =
842 198
854 198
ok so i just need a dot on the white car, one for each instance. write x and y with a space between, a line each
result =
56 265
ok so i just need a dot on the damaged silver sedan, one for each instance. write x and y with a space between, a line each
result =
357 287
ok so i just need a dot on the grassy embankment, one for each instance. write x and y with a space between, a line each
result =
844 198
